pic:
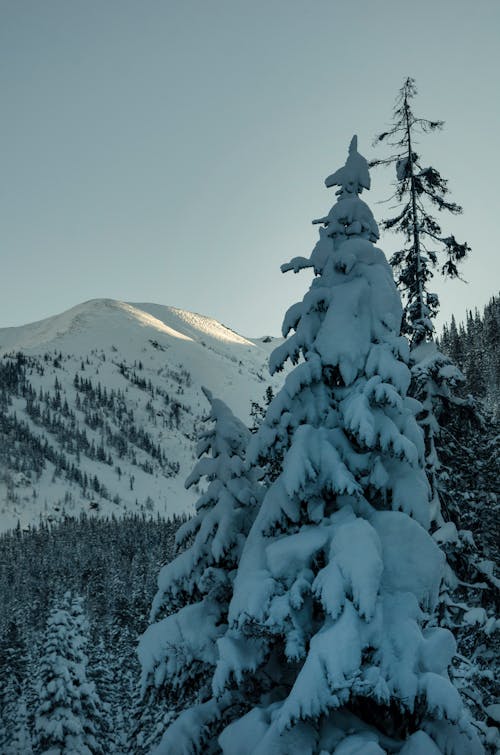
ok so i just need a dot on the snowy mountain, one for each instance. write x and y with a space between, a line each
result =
99 406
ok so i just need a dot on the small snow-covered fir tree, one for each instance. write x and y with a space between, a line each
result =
331 646
67 718
178 652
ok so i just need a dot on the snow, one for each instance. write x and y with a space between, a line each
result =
186 733
419 744
347 349
356 549
359 744
475 616
335 589
254 735
436 650
493 711
324 679
354 176
169 344
402 168
193 589
85 319
412 561
192 325
169 645
313 457
446 534
294 552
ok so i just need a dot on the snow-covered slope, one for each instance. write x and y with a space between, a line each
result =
99 406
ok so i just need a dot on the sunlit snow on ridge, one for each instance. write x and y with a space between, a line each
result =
192 321
119 317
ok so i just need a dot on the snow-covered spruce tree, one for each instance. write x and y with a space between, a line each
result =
67 718
417 189
331 644
178 652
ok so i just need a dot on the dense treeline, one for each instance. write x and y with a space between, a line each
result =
112 564
474 346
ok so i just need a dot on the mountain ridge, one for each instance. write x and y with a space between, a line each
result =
101 406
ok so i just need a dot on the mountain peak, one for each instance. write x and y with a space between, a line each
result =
105 400
102 322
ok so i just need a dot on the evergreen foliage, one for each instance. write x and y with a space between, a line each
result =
15 738
338 573
114 564
316 618
178 652
468 447
462 462
85 433
418 188
330 643
69 709
474 346
438 383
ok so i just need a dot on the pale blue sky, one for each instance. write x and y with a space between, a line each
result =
175 151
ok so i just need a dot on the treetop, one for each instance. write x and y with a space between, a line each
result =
354 176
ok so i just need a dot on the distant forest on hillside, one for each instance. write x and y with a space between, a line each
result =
474 346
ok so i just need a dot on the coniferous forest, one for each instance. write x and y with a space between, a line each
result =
335 591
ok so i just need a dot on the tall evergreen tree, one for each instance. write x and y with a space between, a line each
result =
67 718
332 611
417 189
436 380
330 645
178 652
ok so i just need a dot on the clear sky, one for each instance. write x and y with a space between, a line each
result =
174 151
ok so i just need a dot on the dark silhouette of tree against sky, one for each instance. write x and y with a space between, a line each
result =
417 190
